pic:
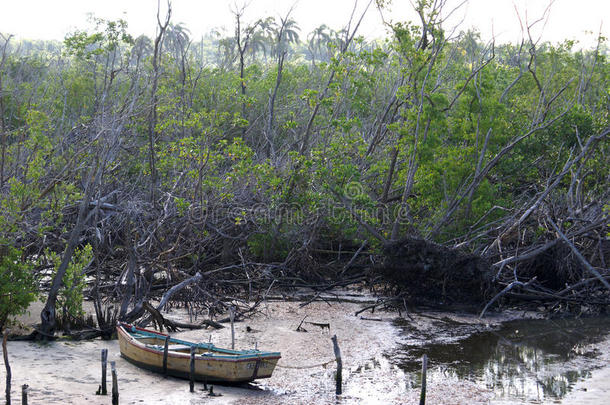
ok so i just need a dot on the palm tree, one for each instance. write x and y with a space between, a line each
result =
226 50
285 34
177 40
142 48
318 40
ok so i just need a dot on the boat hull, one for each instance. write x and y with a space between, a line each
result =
212 368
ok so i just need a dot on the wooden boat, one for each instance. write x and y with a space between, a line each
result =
145 348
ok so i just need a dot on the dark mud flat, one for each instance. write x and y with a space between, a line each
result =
521 361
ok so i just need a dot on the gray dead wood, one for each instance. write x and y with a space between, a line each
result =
168 295
579 255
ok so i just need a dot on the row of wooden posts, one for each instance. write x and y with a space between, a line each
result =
115 390
338 376
24 387
115 383
115 386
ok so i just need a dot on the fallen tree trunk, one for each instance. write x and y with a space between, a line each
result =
167 296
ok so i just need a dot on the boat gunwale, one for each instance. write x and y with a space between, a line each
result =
240 357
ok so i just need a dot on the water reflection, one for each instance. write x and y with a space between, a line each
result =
527 360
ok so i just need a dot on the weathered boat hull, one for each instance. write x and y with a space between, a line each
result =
211 364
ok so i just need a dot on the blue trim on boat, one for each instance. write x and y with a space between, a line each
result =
235 354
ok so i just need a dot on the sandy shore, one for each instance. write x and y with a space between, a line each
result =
69 372
596 389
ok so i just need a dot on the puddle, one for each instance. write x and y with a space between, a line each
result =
529 360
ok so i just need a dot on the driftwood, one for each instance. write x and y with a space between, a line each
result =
211 323
87 334
300 327
383 302
503 292
156 312
320 325
158 320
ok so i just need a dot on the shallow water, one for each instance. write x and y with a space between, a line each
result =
525 361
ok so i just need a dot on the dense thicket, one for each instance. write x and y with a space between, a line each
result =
271 154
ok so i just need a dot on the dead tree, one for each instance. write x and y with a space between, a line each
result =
152 118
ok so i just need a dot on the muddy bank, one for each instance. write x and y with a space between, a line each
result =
518 361
381 361
69 372
595 389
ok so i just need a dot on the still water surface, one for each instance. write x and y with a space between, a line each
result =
526 361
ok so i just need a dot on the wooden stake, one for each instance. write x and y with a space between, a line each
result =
115 384
232 316
165 350
424 369
339 376
104 391
24 394
8 368
192 373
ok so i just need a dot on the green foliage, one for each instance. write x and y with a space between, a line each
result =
405 123
70 298
265 247
17 285
106 37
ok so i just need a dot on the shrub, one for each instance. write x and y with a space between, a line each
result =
17 284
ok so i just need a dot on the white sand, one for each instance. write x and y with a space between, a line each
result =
69 372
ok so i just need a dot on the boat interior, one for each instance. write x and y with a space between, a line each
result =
174 345
157 342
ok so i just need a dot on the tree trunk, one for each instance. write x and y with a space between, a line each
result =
2 115
48 316
152 120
